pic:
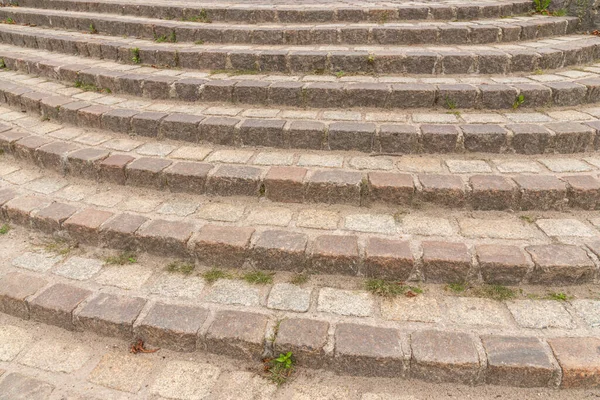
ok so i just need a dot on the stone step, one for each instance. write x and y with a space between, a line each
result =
527 56
291 12
364 181
520 342
563 88
406 33
370 132
395 242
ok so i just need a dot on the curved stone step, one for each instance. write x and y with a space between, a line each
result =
516 342
418 246
493 59
386 34
565 88
291 12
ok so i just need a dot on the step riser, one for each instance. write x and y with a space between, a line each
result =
315 95
291 14
296 61
301 185
286 250
279 133
342 347
307 35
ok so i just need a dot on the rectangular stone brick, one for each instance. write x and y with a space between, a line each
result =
280 250
53 155
85 162
518 361
530 138
335 254
19 209
187 177
369 351
445 262
494 97
351 136
541 192
219 130
486 138
50 219
172 326
583 191
391 188
262 132
578 359
501 264
91 117
165 237
147 123
305 338
446 190
493 192
561 264
236 334
85 225
388 259
439 138
330 186
147 171
439 356
411 95
112 168
234 180
285 184
25 148
457 96
181 127
306 134
118 120
401 139
225 246
119 232
55 305
15 288
572 137
110 315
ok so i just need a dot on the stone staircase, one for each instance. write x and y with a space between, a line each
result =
435 143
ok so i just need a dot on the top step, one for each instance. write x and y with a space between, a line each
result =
287 11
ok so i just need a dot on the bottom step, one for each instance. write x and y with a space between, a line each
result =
434 336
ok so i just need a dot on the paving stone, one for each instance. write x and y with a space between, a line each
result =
317 160
391 188
221 212
118 232
565 165
16 386
122 371
445 262
38 262
417 309
334 187
288 297
518 361
56 356
374 223
305 338
540 314
177 285
468 166
420 164
369 351
235 180
212 242
236 334
227 291
390 259
322 392
493 192
386 396
244 386
85 224
13 341
165 237
172 326
178 208
79 268
444 357
281 250
565 227
473 311
427 226
15 288
128 276
346 302
578 359
318 219
589 310
502 264
277 216
560 264
110 315
448 190
497 228
541 192
55 305
184 380
335 254
285 184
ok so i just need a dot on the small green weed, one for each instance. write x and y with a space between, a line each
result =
496 292
558 296
214 275
371 59
4 229
160 39
541 6
89 87
383 288
259 277
181 267
451 104
538 71
530 219
340 74
202 17
199 42
456 287
299 279
126 257
2 63
8 21
135 55
519 101
560 13
92 29
280 368
60 247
